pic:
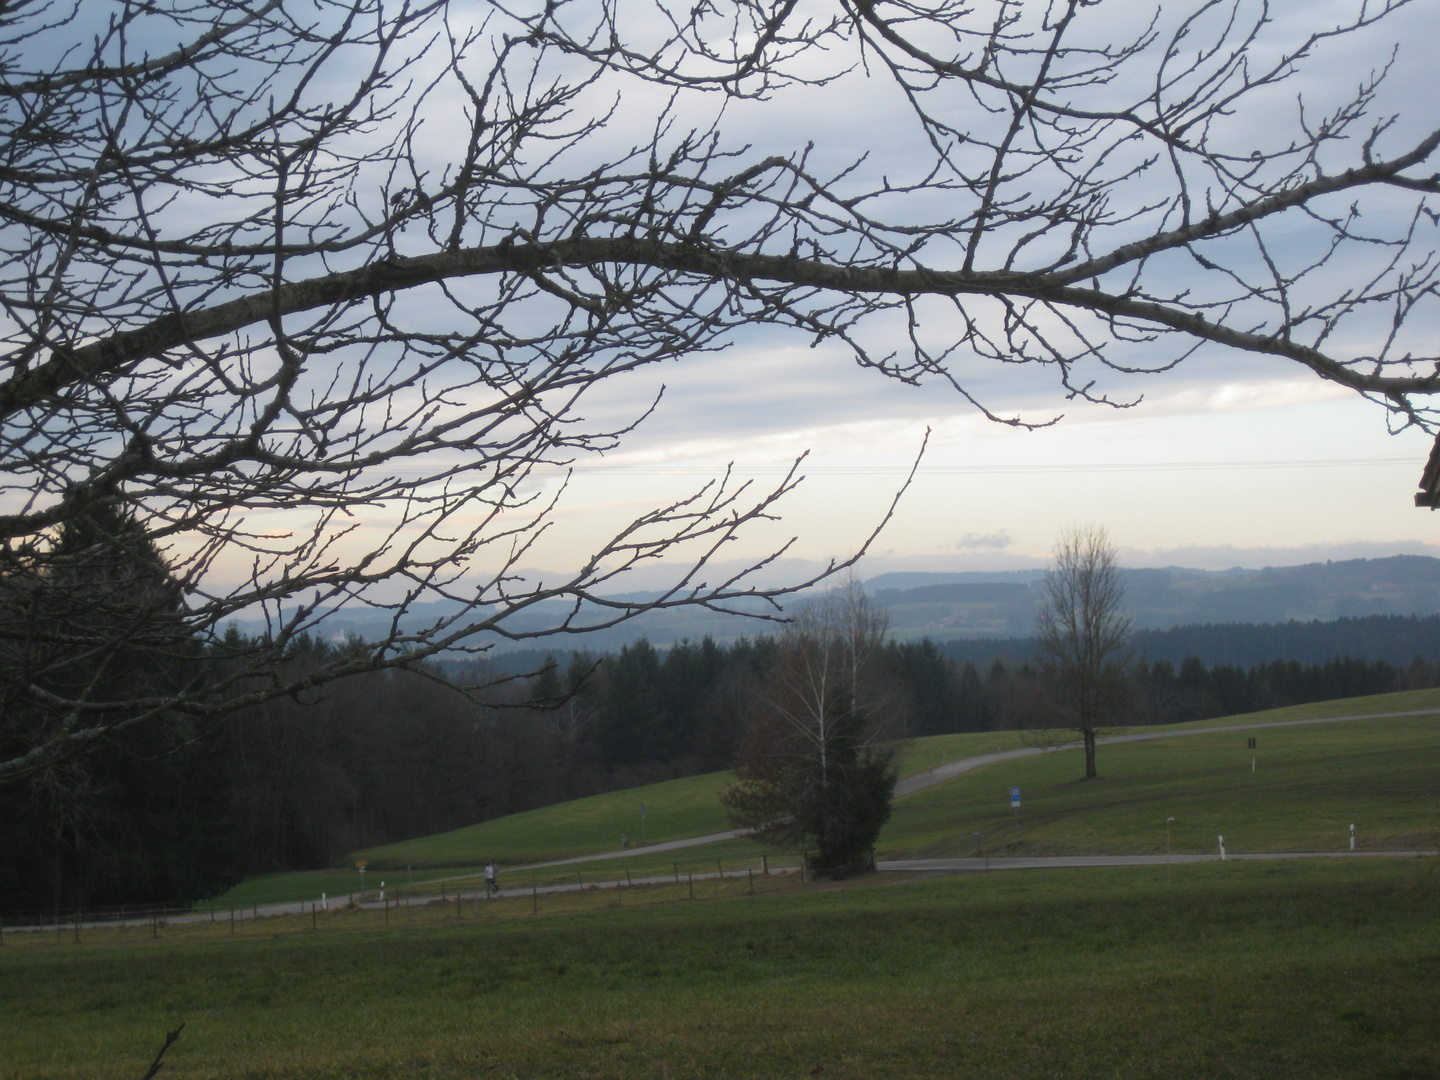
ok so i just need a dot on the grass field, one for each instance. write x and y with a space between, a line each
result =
1310 784
1308 969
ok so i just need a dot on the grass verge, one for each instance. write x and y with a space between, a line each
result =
1311 969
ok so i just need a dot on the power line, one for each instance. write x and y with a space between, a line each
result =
1000 469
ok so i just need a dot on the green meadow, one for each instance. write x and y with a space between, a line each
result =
1305 969
1308 785
1299 790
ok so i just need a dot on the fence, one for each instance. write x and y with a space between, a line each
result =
548 889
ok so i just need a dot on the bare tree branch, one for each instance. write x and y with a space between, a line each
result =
326 291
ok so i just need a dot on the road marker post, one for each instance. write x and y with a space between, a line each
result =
1168 820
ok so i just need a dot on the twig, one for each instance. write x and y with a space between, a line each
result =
171 1038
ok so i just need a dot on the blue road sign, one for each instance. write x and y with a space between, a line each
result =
1015 796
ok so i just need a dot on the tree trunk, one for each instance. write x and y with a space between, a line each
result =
1089 734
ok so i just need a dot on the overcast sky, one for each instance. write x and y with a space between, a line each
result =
1231 460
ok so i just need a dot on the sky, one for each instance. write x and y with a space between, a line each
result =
1230 460
1209 474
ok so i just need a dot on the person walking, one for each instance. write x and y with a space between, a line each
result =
492 886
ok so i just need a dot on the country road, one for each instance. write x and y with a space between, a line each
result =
908 786
940 773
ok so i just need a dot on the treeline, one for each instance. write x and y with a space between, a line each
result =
1396 639
164 814
1159 692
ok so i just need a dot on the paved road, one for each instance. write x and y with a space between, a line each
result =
940 773
1053 862
911 784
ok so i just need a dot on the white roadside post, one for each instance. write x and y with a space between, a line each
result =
1222 848
1168 820
1352 836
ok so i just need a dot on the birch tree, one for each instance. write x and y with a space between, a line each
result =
816 768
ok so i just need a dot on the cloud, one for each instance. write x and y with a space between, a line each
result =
970 541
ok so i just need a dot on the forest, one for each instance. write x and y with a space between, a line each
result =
295 783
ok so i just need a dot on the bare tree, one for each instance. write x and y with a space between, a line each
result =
317 290
815 767
1082 632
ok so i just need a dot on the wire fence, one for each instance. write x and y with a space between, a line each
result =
549 890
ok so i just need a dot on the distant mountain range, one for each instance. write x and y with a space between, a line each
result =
943 606
960 606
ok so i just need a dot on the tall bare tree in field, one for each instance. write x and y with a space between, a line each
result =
1082 632
316 293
